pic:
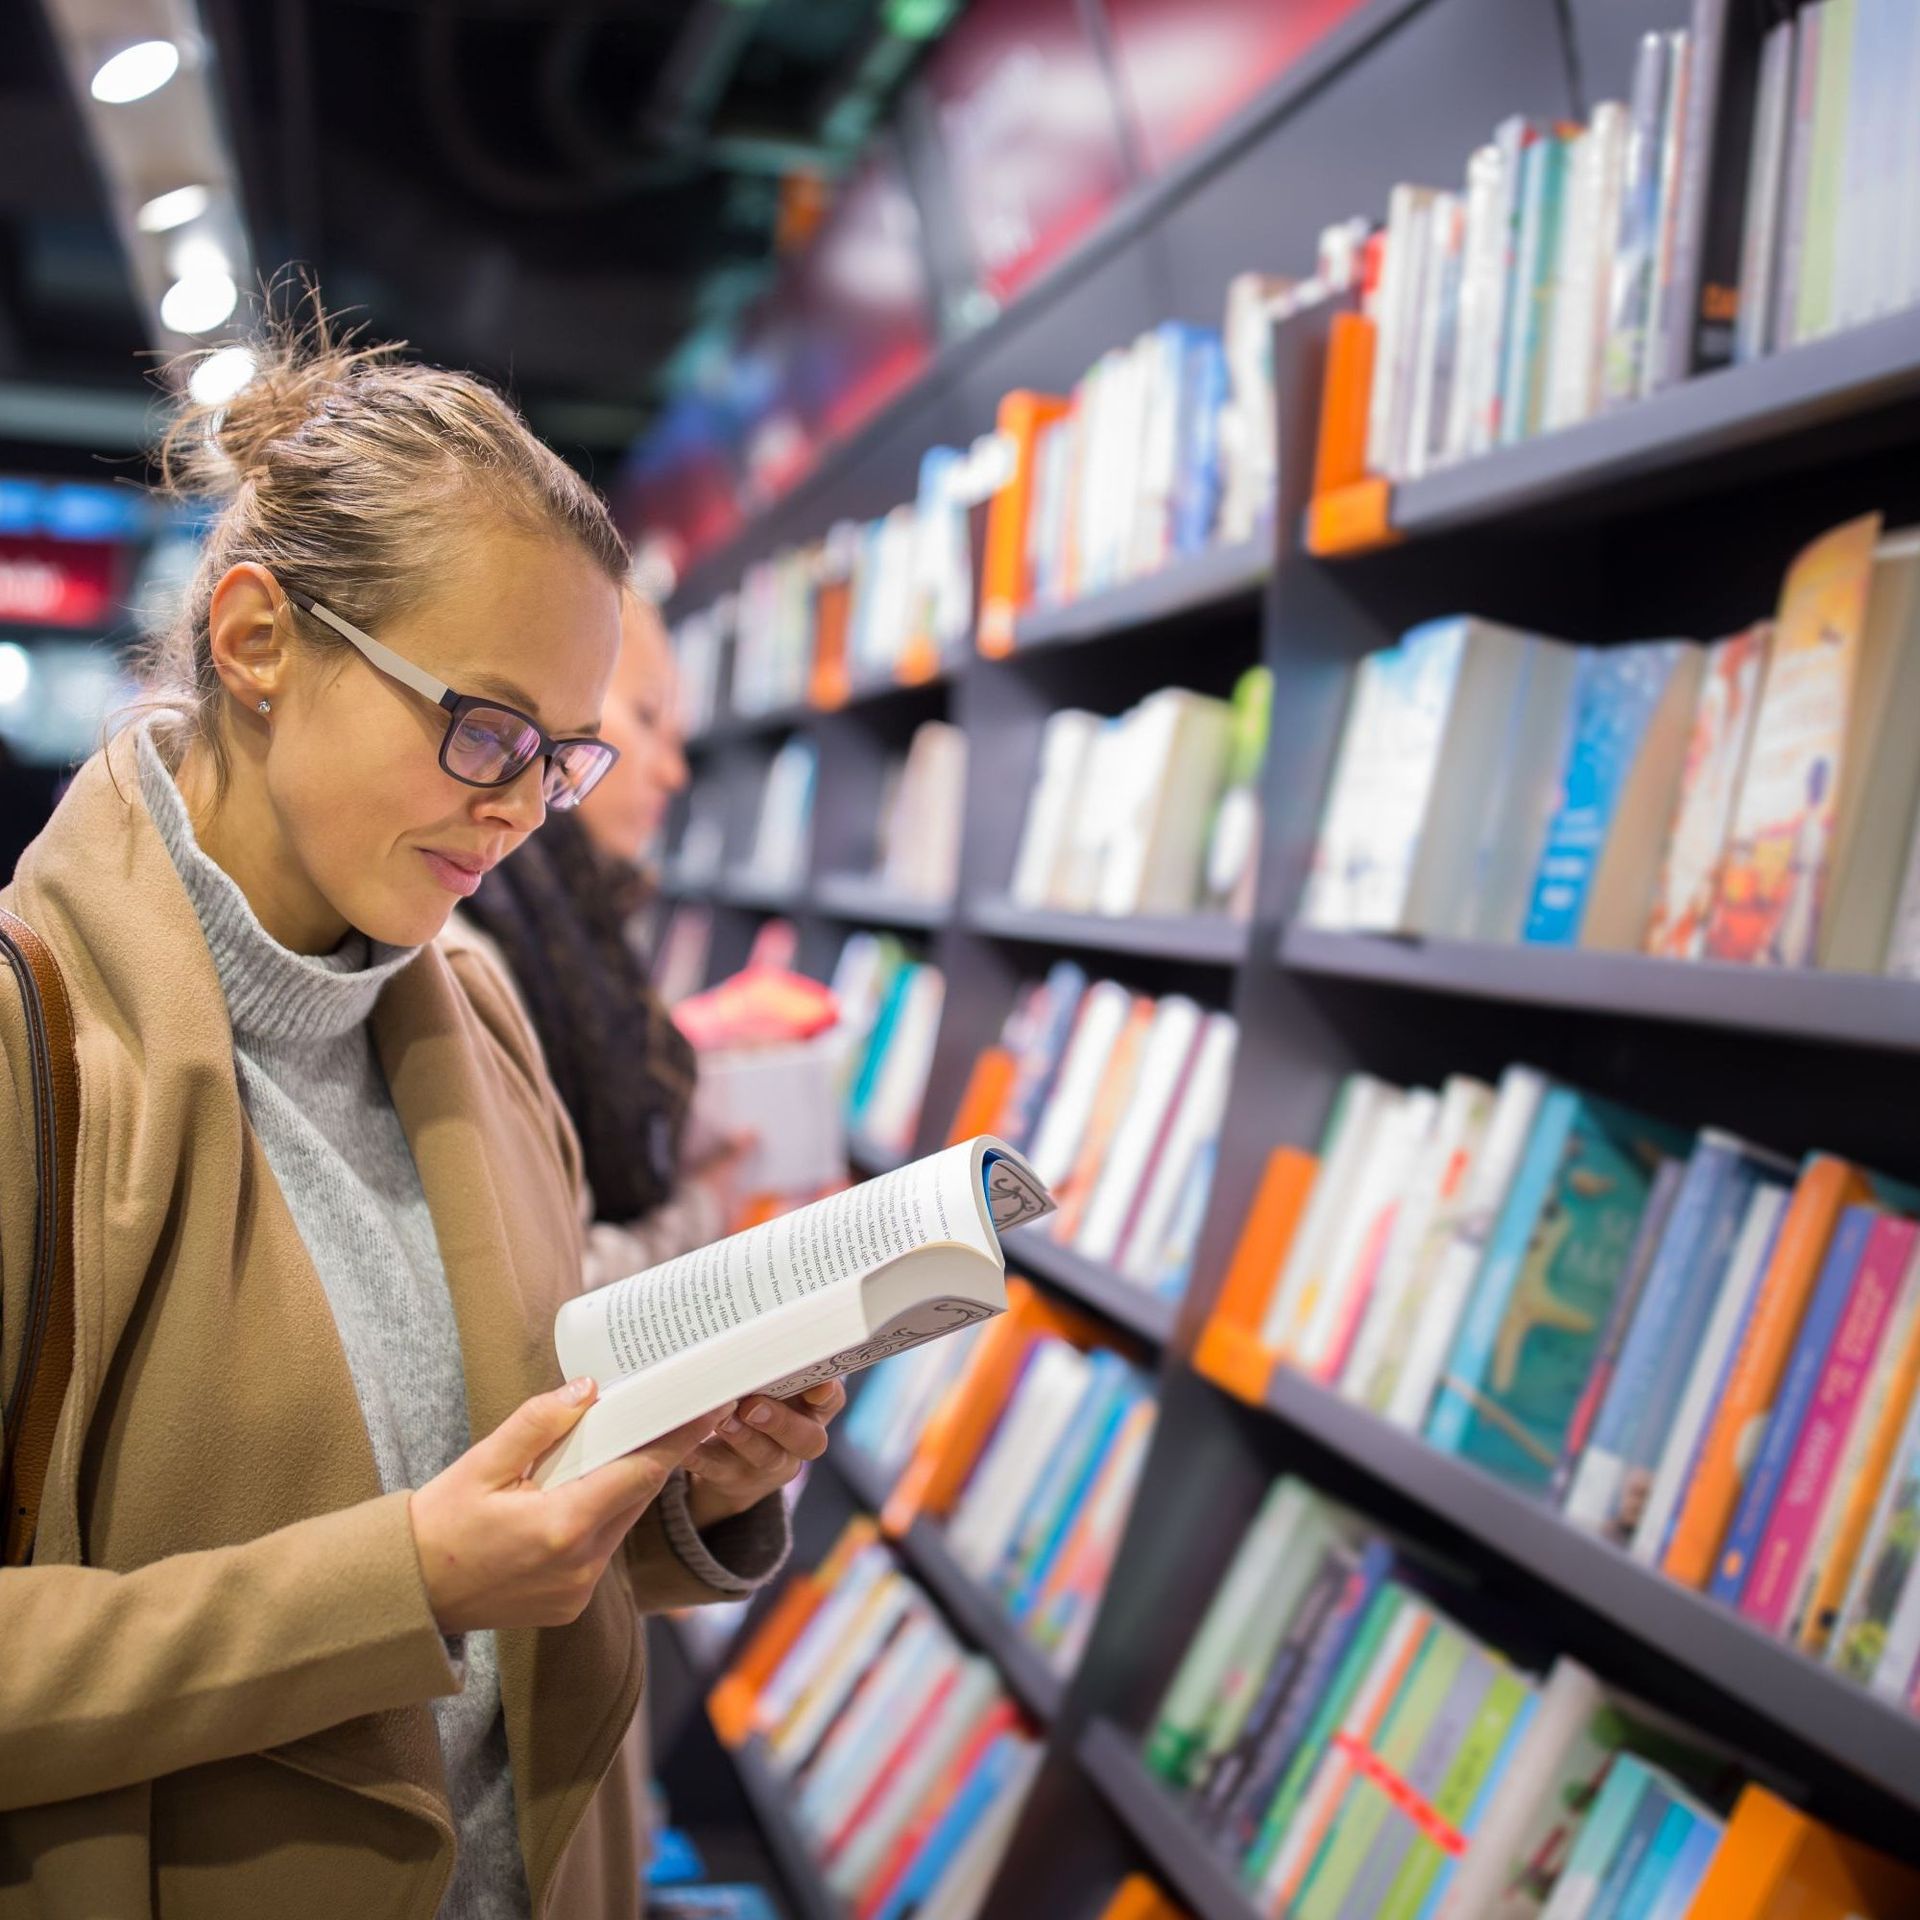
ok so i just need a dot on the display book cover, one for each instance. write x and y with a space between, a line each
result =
817 1293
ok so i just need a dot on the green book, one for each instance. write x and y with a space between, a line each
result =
1627 1783
1504 1712
1386 1608
1364 1808
1819 250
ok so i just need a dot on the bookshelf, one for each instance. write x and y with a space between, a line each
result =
859 896
1672 516
767 1794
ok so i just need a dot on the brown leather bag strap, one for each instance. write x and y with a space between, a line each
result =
34 1397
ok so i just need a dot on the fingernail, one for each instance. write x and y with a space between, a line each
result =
760 1415
578 1389
729 1425
819 1396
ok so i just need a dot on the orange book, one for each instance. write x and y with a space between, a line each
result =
1006 579
1103 1122
1340 452
1836 1572
1826 1186
731 1703
984 1099
1229 1352
1137 1898
1776 1863
830 684
964 1421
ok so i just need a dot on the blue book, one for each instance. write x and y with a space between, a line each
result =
1627 1782
1042 1050
1643 1891
1675 1901
1797 1387
1196 484
675 1858
878 1041
1649 1816
989 1777
1618 692
1110 1391
1671 1320
736 1902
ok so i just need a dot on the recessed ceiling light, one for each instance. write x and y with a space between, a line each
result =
136 71
165 211
197 256
16 672
221 375
200 304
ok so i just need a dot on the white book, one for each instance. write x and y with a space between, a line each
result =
1056 1143
1165 1057
1397 1141
963 1885
1399 285
1859 235
1560 402
892 1111
866 1850
817 1293
1432 1189
1102 794
1746 1268
923 836
1482 287
1195 1124
1032 1426
801 1081
1342 852
1766 183
1177 745
1363 1102
1066 747
817 1640
1438 318
887 1606
1516 1105
1797 189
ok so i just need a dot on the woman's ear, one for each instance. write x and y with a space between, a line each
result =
246 641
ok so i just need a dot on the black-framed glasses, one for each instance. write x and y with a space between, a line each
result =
488 743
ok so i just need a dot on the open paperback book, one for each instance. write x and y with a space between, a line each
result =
817 1293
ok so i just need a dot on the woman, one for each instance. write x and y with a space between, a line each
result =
298 1637
556 915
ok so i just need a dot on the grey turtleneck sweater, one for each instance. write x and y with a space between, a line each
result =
318 1101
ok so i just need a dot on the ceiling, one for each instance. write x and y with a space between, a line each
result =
553 192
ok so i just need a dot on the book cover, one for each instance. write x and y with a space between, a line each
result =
1038 1043
1627 1783
1819 262
1775 1859
1814 1342
1766 196
1674 1901
1887 1563
1638 1854
992 1774
1531 1330
1630 295
1774 882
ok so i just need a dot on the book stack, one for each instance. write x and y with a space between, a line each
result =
921 815
890 1009
1120 1097
905 1763
1756 189
1357 1751
783 829
1154 812
1749 802
1704 1352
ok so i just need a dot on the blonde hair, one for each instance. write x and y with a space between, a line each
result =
343 469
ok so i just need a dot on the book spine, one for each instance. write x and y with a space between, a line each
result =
1660 312
1799 180
1630 281
1766 185
1790 1409
1814 313
1835 1405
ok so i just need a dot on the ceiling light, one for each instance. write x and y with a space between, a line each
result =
16 672
136 71
166 211
200 304
221 375
197 256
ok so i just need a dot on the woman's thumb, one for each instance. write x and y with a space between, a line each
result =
530 1429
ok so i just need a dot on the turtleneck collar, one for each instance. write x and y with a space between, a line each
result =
273 994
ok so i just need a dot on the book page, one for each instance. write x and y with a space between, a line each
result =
639 1321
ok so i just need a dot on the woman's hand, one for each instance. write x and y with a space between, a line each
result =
497 1551
759 1448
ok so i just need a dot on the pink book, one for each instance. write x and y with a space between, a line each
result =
1353 1310
1823 1437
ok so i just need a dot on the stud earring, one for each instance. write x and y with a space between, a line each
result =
266 706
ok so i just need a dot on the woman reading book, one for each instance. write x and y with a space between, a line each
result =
298 1635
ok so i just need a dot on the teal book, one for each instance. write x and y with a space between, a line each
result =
878 1041
1642 1893
1542 190
1608 1823
1539 1305
1675 1898
1623 1871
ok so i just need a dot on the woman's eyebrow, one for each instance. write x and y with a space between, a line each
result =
499 687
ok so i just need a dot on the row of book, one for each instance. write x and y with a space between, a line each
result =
922 808
1117 1099
1758 188
1695 1347
890 1004
904 1761
1047 1486
1156 811
1356 1751
1755 801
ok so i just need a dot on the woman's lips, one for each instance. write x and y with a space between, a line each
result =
455 875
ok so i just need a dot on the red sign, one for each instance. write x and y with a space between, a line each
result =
56 583
1031 133
1187 65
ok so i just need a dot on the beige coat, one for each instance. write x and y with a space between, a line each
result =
214 1679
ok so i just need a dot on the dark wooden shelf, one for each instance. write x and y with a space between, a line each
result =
734 727
1202 1876
861 896
1210 939
744 890
866 693
1694 424
1201 583
1860 1733
1122 1301
860 1472
1852 1009
770 1797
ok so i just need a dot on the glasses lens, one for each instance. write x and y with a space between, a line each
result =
574 772
490 746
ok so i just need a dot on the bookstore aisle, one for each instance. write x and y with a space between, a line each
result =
1377 739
